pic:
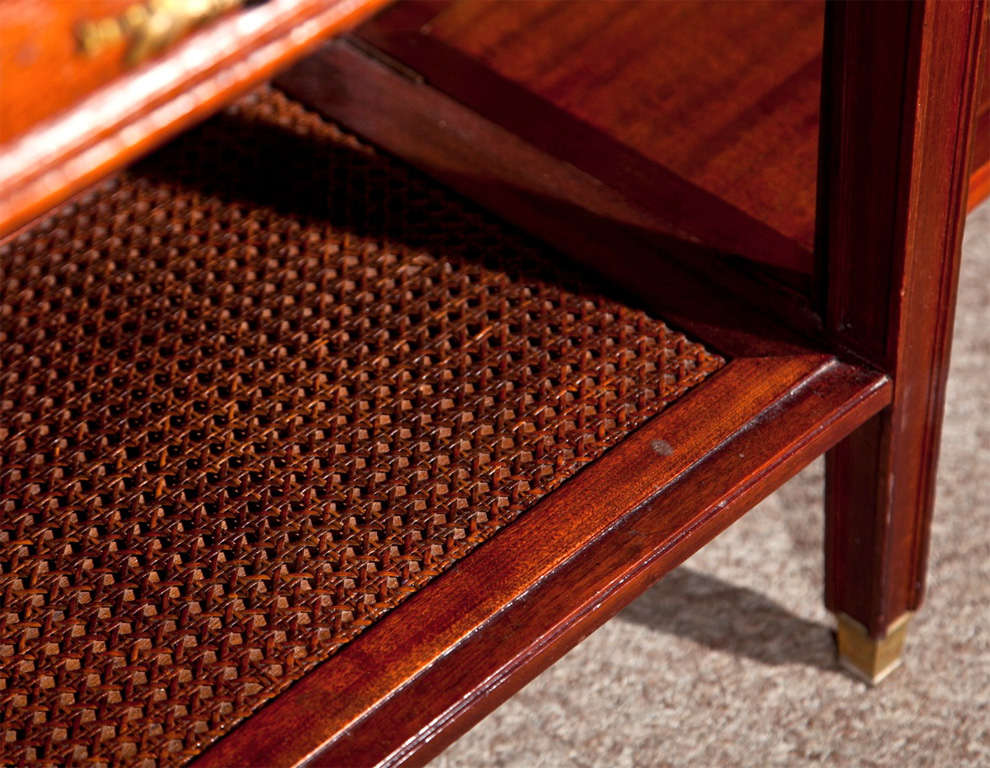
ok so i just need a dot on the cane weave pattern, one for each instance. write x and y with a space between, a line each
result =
254 393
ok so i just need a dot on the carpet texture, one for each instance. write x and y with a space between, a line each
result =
730 661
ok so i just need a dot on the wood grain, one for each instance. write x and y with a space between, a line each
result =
567 207
118 123
891 225
714 129
590 133
455 650
979 180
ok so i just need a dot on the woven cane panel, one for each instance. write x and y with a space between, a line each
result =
254 393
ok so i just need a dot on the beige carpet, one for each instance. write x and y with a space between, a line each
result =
729 660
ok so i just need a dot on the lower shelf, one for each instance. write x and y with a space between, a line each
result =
438 663
300 448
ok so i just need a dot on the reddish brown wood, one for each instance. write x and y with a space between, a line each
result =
897 111
983 77
281 415
564 205
38 48
712 132
480 632
867 205
548 126
979 180
139 110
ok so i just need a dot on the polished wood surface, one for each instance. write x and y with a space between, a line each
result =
143 107
885 226
979 183
703 114
55 53
584 124
462 646
562 204
891 224
43 68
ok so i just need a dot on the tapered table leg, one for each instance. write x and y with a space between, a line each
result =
897 97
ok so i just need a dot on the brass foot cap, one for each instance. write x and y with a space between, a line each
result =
870 658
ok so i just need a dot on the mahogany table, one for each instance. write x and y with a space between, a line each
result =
333 421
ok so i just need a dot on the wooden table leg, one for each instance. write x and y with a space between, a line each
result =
898 83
